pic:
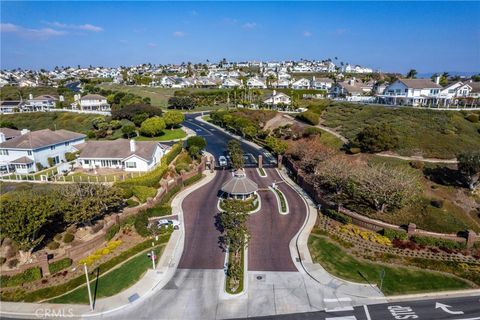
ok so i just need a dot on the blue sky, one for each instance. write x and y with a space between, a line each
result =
391 36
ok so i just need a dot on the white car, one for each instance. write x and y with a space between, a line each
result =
165 223
222 161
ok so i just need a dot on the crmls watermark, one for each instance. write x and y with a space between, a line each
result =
48 313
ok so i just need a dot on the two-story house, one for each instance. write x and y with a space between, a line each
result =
40 103
33 150
277 98
91 102
256 83
412 92
302 83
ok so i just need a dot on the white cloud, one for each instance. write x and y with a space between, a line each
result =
250 25
43 33
179 34
307 34
152 44
85 27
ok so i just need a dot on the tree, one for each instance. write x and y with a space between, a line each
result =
82 202
99 122
232 223
250 131
469 167
173 118
377 138
195 145
128 130
236 154
412 74
139 118
115 124
25 214
276 145
152 127
183 102
130 111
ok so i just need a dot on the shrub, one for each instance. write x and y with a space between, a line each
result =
193 179
52 245
39 166
338 216
143 193
10 251
97 227
394 234
111 232
473 117
311 132
437 203
168 196
59 265
2 260
354 150
376 138
68 237
182 166
437 242
28 275
140 224
159 211
12 263
132 203
51 162
309 117
417 165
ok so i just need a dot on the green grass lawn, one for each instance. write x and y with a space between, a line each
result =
398 280
166 136
330 140
440 134
283 203
113 282
50 120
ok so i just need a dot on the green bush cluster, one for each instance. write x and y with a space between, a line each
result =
394 234
59 265
192 180
142 193
437 242
68 237
338 216
309 117
28 275
131 203
52 245
141 219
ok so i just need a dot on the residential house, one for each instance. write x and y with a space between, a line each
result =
128 155
302 83
8 133
40 103
33 150
412 92
277 98
281 83
256 83
322 83
231 83
352 90
91 102
11 106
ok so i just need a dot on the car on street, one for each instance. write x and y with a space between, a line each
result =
222 161
165 223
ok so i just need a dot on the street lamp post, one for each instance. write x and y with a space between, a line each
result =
88 286
153 259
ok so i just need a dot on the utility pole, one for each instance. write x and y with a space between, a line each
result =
88 286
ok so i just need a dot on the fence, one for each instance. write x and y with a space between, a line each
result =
468 237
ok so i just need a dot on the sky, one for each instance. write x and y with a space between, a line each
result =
388 36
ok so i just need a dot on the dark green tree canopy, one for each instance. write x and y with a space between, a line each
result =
377 138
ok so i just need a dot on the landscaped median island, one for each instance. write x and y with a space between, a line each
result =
282 201
261 172
235 275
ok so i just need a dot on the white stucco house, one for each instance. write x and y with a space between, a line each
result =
256 83
128 155
91 102
10 106
322 83
412 92
40 103
302 83
231 83
277 98
31 150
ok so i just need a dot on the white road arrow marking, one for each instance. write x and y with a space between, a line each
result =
445 307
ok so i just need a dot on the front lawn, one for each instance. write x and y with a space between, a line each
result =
113 282
167 135
398 280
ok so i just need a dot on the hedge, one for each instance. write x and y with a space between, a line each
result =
169 195
68 237
50 292
394 234
28 275
437 242
59 265
192 180
309 117
112 231
340 217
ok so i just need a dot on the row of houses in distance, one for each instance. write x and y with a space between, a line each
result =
24 152
89 102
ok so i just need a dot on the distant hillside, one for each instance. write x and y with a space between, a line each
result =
51 120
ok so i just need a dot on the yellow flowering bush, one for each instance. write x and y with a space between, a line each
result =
97 255
365 235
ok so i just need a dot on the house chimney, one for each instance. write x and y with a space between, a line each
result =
24 131
132 145
30 96
2 137
437 79
274 92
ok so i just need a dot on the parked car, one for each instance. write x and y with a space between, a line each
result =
165 223
222 161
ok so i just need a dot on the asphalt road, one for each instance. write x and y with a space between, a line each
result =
271 232
464 308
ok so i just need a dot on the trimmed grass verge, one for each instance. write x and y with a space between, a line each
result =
283 201
398 280
262 172
166 136
113 282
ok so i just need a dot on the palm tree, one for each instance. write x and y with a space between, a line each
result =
412 74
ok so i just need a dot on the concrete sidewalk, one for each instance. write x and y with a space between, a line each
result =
151 282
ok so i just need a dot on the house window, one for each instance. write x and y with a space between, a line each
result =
4 152
52 147
29 152
131 164
86 161
67 143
